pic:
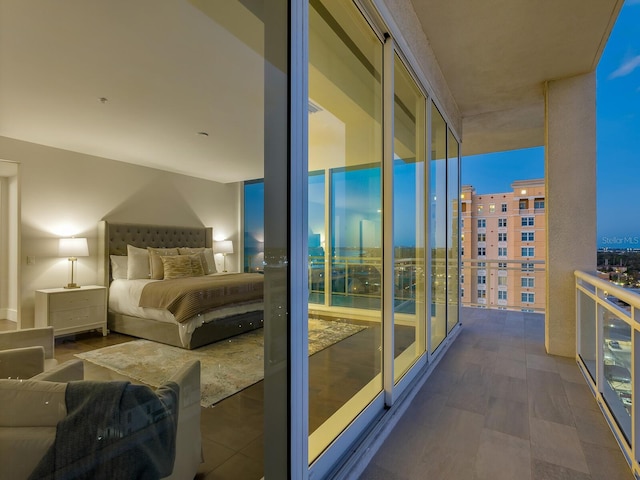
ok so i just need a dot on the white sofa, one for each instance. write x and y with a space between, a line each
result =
32 408
27 352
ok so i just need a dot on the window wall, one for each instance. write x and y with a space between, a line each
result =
359 360
438 227
345 142
409 114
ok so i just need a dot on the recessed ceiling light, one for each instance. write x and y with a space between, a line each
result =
203 134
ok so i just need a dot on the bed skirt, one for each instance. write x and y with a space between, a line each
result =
168 333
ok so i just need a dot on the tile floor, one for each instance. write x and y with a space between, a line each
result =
498 407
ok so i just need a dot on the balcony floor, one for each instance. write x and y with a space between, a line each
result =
498 407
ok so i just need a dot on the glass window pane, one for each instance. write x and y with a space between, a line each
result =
345 141
438 227
254 226
409 219
319 257
453 231
618 387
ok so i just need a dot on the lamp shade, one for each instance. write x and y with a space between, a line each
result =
73 247
225 246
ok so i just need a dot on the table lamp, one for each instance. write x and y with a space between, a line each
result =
72 248
224 247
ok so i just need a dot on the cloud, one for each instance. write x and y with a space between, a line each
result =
627 67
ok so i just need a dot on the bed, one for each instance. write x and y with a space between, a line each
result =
185 312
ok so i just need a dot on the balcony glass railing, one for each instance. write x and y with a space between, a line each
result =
608 327
357 281
503 284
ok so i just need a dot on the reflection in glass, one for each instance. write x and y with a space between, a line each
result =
408 237
453 231
254 226
438 227
345 141
317 237
618 388
587 340
356 237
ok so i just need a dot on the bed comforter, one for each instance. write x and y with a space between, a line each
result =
186 297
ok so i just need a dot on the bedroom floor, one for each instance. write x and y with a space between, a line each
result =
232 430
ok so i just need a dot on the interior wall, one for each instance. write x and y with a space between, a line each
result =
66 193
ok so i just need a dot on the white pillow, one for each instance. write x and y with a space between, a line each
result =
119 267
138 263
208 262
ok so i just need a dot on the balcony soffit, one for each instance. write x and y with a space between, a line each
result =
497 54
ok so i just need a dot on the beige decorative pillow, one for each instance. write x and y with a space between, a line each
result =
157 269
206 257
197 269
138 263
178 266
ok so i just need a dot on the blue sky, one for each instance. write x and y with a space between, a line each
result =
618 141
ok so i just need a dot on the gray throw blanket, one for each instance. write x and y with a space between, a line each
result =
113 430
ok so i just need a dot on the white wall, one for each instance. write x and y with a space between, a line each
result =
65 193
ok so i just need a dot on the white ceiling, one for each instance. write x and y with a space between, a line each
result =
169 71
497 54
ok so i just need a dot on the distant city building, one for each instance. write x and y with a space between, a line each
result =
504 247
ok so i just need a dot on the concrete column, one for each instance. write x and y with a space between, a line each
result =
570 170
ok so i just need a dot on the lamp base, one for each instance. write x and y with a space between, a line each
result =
72 285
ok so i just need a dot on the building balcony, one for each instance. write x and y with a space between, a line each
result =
498 407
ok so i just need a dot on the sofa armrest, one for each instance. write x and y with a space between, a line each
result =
188 437
21 362
29 337
65 372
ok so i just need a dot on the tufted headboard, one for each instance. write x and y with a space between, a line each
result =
113 239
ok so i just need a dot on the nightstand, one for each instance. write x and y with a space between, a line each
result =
71 310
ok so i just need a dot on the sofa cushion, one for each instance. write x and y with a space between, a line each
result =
21 448
29 403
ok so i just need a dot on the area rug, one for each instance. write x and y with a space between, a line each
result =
227 366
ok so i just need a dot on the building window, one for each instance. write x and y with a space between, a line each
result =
462 222
462 251
502 222
480 208
482 223
523 204
527 297
492 208
502 237
482 237
482 293
503 207
528 252
502 251
527 267
462 292
482 251
502 281
528 221
482 279
462 278
482 264
528 236
527 282
502 294
502 265
538 204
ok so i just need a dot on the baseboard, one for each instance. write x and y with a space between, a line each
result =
9 314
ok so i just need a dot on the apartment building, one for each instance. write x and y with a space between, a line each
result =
503 247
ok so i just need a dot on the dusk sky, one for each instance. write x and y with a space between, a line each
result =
618 141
